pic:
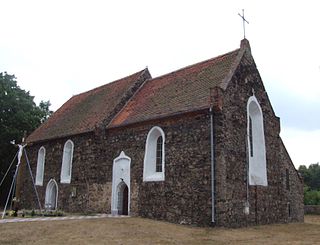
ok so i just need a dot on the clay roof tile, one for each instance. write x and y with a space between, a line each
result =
85 111
184 90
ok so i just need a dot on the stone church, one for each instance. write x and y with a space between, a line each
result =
199 145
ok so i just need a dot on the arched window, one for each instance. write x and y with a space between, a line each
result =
256 144
153 167
40 166
66 168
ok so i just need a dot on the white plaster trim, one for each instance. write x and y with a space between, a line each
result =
48 197
155 177
64 177
257 163
149 163
120 173
40 166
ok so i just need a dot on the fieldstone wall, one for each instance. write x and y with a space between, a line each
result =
89 189
293 188
184 196
266 204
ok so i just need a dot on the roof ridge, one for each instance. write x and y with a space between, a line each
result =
115 81
197 63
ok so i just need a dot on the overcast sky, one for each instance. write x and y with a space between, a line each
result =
58 49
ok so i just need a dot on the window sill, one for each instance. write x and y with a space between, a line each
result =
65 181
154 177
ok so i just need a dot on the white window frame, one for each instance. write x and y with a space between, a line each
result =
66 167
40 166
257 155
149 165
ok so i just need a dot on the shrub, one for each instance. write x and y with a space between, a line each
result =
311 197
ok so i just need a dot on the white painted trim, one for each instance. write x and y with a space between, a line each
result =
40 166
64 177
48 197
257 162
120 173
149 163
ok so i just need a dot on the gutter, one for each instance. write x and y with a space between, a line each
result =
212 167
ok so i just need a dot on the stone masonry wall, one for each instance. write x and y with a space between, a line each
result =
184 196
89 194
267 204
293 188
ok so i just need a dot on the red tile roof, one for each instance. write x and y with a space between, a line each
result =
184 90
83 112
135 98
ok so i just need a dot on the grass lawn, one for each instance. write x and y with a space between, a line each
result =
145 231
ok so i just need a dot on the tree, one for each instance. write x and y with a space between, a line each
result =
311 197
311 177
18 115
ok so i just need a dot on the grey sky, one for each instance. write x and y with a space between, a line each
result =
61 48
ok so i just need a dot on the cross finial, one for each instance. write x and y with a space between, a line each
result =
244 23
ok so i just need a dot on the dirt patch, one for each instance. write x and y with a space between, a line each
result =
145 231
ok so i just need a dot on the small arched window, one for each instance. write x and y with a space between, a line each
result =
256 144
153 167
66 167
40 166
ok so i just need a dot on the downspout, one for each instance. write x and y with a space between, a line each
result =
212 167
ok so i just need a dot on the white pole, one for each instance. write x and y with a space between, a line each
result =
14 178
13 181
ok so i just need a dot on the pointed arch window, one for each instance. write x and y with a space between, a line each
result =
256 144
40 166
66 168
154 167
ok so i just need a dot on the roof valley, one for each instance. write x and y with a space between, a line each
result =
145 76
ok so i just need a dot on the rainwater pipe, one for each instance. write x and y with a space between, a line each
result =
212 166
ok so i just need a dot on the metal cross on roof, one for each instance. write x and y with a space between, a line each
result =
244 20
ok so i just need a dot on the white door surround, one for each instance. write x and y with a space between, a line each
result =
120 180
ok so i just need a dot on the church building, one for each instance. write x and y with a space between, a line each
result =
199 145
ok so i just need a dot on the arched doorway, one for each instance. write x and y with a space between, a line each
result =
51 195
123 199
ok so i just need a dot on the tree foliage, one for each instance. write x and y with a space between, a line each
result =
311 197
19 115
311 177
